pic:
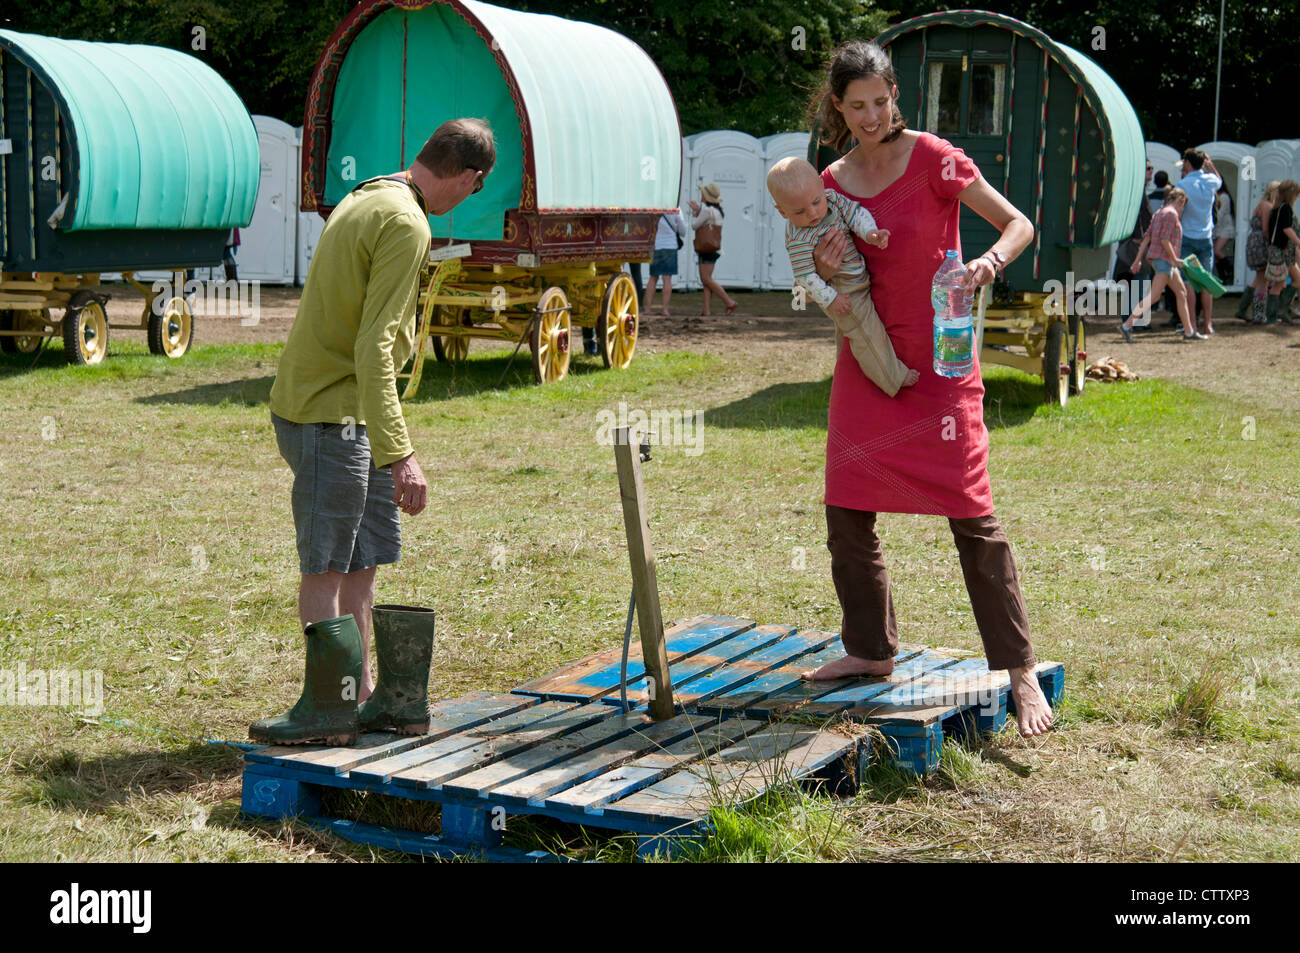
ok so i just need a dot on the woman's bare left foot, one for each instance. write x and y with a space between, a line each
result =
1033 713
848 667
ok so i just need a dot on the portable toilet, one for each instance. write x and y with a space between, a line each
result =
734 162
1237 164
268 246
774 263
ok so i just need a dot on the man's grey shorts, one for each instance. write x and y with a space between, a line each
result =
343 507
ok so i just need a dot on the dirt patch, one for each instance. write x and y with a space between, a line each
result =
1246 363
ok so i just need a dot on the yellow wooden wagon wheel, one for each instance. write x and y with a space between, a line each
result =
85 330
1078 355
172 331
619 321
1056 364
33 321
450 347
549 340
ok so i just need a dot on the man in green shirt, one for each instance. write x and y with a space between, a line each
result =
339 424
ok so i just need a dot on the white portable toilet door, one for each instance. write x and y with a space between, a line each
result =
774 261
267 247
733 162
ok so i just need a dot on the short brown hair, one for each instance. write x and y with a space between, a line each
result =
1288 190
457 145
856 59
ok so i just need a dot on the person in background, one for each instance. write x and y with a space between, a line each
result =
1255 296
1127 252
669 238
1163 238
1225 230
228 255
710 215
1201 181
1156 197
1282 243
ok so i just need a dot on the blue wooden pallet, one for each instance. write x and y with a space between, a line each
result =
490 757
560 746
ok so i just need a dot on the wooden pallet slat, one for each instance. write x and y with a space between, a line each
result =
482 782
382 770
598 675
536 787
450 716
591 795
731 676
737 774
685 671
432 774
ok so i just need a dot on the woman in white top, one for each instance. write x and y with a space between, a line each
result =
669 237
710 214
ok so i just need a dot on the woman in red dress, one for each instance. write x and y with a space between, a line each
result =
926 450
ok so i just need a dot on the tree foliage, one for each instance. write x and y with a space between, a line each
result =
753 65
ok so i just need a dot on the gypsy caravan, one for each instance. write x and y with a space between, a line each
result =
588 158
113 157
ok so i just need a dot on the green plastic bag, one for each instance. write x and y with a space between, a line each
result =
1201 279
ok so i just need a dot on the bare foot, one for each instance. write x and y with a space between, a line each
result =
1032 711
912 377
849 666
367 689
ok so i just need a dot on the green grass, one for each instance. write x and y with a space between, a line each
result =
151 538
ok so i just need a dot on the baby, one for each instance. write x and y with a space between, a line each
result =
810 211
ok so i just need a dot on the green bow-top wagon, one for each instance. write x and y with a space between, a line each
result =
588 157
113 157
1053 132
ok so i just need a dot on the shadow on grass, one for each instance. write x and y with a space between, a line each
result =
248 391
1009 401
439 380
93 785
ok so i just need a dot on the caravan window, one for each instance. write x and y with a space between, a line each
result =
943 111
987 87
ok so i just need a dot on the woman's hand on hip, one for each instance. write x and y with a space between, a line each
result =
980 271
830 253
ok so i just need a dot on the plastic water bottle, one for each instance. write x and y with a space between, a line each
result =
954 333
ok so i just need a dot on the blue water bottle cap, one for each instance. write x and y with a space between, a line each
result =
951 253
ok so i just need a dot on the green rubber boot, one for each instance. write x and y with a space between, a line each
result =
1270 310
403 653
327 711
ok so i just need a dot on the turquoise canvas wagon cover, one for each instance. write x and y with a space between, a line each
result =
588 141
117 156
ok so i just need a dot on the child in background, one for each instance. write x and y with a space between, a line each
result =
811 210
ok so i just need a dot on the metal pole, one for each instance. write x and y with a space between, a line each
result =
1218 73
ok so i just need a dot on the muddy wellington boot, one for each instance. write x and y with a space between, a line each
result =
327 711
403 653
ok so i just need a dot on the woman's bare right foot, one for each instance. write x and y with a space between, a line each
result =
848 667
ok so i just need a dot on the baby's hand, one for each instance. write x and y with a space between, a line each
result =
911 378
841 304
878 237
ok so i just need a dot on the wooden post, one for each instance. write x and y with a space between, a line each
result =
645 585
